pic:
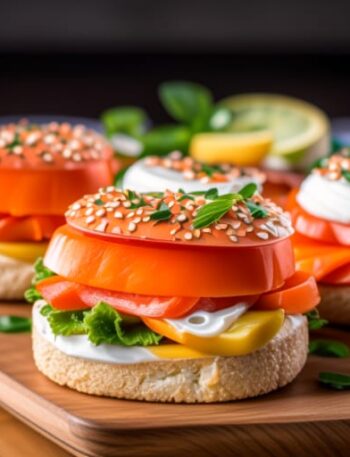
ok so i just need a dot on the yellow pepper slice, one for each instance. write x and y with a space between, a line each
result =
25 251
249 333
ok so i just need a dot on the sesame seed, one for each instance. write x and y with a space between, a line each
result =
90 219
197 233
234 238
146 219
89 211
127 204
100 212
171 204
76 206
131 214
101 227
117 230
182 217
137 220
118 215
47 157
262 235
206 230
17 150
188 236
67 153
77 157
139 212
250 229
132 227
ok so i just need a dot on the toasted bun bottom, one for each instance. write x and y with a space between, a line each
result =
15 278
204 380
335 303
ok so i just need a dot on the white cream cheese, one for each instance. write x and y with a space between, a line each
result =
80 346
326 199
143 178
206 325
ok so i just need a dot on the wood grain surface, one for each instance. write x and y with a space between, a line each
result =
301 419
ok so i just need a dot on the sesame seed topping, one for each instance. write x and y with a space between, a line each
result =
132 227
262 235
90 219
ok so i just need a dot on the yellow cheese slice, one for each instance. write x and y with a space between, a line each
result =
25 251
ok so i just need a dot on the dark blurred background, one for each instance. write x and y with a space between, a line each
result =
79 57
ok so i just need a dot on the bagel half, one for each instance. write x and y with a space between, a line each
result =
202 380
335 303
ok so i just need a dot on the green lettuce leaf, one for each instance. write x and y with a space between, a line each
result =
105 325
41 272
102 324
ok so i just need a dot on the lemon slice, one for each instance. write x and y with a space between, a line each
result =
243 149
25 251
300 130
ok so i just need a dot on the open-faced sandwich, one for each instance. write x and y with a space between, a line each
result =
176 171
320 211
184 297
42 169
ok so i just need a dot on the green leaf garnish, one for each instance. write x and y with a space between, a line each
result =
125 119
99 202
212 194
256 210
15 324
105 325
314 320
161 140
119 178
66 322
329 348
41 272
346 174
215 210
337 381
209 170
249 190
187 102
162 214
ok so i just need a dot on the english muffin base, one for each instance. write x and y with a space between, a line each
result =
15 278
335 303
203 380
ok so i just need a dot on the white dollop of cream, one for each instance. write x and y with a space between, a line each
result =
206 325
326 199
144 178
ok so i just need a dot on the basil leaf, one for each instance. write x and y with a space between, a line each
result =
166 138
249 190
346 174
329 348
209 170
214 211
15 324
119 178
187 102
162 214
314 320
211 194
256 210
99 202
337 381
125 119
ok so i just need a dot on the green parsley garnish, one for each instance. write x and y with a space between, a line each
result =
329 348
337 381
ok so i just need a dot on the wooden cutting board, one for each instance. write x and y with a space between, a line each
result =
302 419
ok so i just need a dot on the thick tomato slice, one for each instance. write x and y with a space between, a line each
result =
51 190
321 259
317 228
298 295
28 228
169 269
67 295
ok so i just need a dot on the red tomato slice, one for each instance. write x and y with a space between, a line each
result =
317 228
28 228
68 295
298 295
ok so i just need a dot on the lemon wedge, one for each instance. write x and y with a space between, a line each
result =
27 252
243 149
300 129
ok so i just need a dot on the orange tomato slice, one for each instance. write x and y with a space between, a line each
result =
169 269
316 228
298 295
28 228
321 259
50 191
68 295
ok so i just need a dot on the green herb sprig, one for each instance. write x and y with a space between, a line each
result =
336 381
329 348
15 324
